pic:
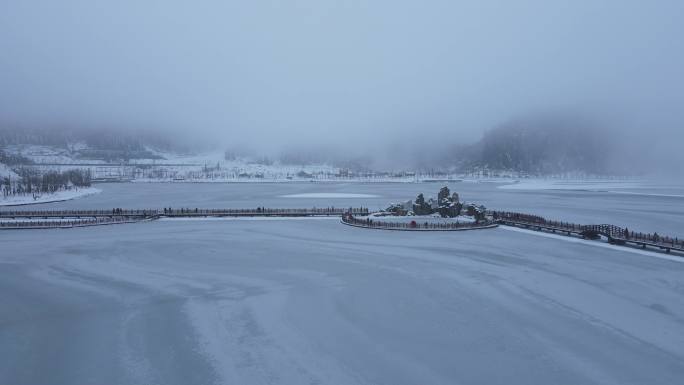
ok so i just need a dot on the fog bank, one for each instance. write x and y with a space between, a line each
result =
351 75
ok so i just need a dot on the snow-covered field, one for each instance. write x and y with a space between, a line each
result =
207 167
59 196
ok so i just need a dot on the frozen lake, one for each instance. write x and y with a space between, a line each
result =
650 207
310 301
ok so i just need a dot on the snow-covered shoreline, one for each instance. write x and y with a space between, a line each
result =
59 196
213 167
574 184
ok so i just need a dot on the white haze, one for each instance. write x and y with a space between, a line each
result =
352 74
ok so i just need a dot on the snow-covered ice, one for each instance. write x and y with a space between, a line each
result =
563 238
577 185
309 301
313 301
328 195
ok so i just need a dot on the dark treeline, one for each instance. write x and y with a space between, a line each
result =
31 181
106 145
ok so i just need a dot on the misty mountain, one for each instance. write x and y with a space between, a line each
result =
539 145
96 144
542 147
551 144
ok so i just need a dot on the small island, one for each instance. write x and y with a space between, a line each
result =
445 213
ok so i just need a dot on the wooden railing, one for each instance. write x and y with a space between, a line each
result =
259 211
263 211
34 219
615 234
414 225
37 224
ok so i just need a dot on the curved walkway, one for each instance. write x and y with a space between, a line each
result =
615 234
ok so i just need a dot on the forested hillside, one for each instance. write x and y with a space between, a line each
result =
89 144
545 147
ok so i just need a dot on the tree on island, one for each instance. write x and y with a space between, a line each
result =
420 199
449 206
421 207
443 195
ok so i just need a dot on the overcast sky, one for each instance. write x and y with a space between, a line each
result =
274 72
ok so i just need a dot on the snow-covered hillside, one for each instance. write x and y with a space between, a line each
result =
50 155
6 171
59 196
164 166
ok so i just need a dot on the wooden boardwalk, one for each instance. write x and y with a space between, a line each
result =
45 219
614 234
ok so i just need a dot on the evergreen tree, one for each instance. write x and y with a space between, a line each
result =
420 200
443 194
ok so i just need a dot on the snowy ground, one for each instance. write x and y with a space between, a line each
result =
48 154
311 301
6 172
59 196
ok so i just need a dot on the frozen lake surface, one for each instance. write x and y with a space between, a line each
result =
329 195
310 301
